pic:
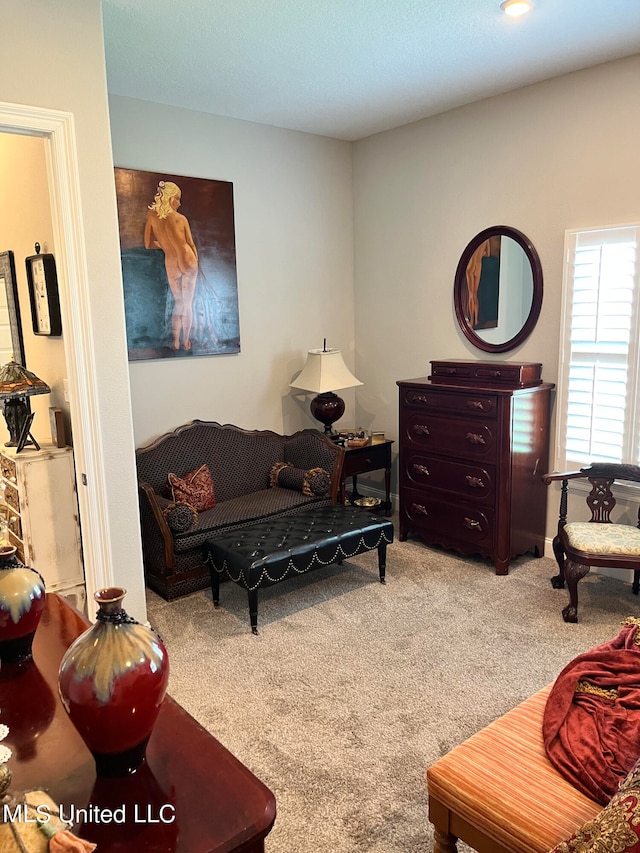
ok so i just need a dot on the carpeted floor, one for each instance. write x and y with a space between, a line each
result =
352 689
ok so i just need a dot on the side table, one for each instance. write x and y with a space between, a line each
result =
361 460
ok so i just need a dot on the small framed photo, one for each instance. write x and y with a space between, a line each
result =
24 435
56 420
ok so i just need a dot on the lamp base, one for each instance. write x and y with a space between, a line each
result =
17 414
327 408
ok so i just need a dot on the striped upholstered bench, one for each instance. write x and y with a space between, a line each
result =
498 792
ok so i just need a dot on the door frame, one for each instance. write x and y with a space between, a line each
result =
58 131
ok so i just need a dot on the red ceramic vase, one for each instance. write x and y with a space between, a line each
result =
112 681
22 596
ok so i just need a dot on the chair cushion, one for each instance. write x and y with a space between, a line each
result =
603 538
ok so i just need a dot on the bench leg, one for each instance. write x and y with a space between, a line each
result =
382 559
215 585
253 609
444 843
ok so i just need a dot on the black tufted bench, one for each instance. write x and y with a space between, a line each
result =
270 551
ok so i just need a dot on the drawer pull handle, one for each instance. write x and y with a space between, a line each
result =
474 482
421 429
420 398
421 510
474 438
475 404
472 524
421 469
495 373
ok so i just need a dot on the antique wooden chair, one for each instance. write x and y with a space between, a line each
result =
597 542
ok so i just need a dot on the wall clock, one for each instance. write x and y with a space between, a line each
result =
43 293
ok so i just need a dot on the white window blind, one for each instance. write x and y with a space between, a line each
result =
599 371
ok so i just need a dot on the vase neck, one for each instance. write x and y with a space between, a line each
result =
110 606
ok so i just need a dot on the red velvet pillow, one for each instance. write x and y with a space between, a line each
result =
616 828
195 488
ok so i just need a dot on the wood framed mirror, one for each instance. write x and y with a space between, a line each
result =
498 289
11 343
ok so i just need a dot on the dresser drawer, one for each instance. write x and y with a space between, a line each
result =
12 497
501 374
469 403
13 522
460 480
8 468
361 460
450 436
19 546
448 521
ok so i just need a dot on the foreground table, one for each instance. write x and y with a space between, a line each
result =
191 796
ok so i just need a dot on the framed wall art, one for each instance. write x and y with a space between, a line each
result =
177 242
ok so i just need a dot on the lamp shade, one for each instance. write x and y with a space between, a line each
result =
324 371
17 381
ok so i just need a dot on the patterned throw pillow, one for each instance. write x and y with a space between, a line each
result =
181 517
314 483
195 488
616 829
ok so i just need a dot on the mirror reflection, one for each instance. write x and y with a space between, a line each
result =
11 345
498 289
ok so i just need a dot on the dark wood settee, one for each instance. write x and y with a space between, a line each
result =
241 462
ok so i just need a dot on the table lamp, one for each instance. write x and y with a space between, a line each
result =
324 373
17 384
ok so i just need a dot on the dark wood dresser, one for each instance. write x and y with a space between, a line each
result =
474 444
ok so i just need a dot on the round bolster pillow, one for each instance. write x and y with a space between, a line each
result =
314 483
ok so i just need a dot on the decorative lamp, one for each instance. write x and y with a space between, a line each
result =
17 384
323 373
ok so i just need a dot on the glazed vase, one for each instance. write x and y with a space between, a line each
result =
22 598
112 681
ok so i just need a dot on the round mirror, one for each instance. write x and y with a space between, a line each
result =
498 289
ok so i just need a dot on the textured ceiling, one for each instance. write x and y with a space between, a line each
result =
350 68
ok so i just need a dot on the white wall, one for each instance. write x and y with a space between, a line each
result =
53 57
561 154
294 247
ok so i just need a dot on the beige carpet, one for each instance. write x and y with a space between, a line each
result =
352 689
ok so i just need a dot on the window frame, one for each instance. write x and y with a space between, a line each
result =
632 407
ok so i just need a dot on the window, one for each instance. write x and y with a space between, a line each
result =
599 383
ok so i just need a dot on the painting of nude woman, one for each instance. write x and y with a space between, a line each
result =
177 242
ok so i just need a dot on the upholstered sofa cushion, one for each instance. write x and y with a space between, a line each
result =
603 538
242 510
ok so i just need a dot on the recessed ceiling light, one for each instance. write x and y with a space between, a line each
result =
515 7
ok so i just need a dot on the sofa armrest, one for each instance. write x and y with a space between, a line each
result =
154 524
312 449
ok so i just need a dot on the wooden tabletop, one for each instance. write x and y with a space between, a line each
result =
191 796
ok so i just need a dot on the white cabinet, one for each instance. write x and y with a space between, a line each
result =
39 501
